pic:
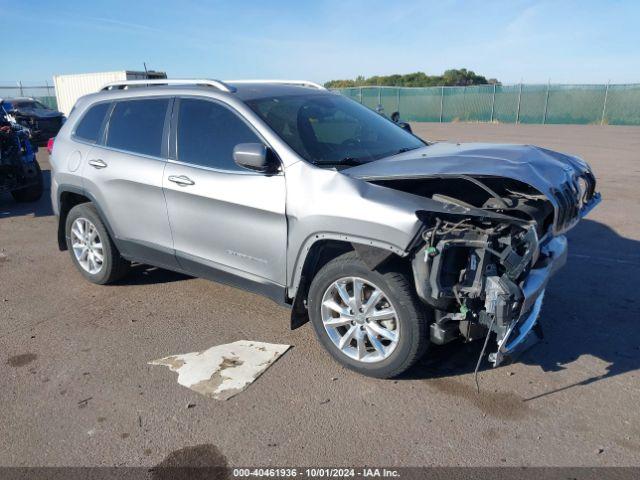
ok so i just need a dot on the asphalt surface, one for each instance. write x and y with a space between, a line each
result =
75 387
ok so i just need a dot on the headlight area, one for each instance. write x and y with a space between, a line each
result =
471 270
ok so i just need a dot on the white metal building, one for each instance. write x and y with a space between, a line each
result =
71 87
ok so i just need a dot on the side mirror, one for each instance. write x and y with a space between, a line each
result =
255 156
395 117
405 126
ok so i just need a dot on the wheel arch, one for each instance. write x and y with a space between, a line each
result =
320 249
68 197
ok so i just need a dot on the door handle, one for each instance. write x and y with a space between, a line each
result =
97 163
181 180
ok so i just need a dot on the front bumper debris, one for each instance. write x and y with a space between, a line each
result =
521 333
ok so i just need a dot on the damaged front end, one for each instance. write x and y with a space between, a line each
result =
480 274
18 167
483 268
484 274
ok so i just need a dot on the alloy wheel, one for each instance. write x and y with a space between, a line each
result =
360 319
87 245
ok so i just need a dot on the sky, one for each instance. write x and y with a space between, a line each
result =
570 41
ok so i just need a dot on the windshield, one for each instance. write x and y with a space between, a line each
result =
332 129
28 104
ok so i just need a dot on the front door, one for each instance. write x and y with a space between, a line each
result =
228 222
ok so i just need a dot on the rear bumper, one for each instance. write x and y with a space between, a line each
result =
521 333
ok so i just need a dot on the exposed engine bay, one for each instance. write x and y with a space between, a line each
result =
487 274
471 272
502 195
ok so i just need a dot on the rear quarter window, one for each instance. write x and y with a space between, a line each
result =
89 126
137 126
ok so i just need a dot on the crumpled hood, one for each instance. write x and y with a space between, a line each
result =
543 169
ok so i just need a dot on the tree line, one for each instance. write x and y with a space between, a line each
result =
454 77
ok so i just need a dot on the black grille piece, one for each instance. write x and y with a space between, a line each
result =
591 185
567 206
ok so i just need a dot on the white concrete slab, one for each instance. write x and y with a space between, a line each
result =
223 371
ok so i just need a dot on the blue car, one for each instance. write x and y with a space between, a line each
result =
20 173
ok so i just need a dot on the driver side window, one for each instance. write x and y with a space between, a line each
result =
208 132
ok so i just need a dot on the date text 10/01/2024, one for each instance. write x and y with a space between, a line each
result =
316 472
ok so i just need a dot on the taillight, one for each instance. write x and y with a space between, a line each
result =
50 144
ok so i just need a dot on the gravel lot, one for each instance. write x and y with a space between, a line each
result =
75 387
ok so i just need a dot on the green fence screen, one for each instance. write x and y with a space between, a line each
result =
577 104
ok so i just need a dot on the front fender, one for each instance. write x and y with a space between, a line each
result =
326 204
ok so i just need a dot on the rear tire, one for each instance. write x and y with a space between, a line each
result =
31 193
389 346
92 250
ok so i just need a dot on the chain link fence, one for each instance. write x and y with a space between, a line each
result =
572 104
43 92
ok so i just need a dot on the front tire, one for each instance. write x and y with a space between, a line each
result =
370 321
92 250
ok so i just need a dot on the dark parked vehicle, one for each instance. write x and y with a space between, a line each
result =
43 122
19 170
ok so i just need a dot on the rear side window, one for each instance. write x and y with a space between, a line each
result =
137 125
207 133
89 127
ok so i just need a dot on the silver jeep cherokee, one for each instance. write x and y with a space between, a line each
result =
386 242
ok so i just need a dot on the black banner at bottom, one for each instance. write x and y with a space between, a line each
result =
434 473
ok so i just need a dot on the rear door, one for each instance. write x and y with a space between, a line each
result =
124 175
225 219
